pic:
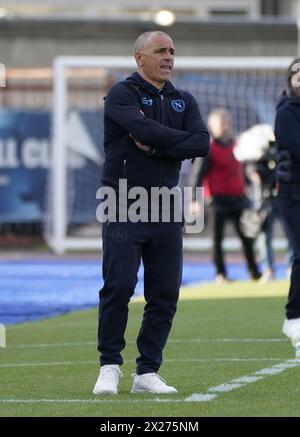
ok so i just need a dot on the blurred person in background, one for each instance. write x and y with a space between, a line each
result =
287 133
257 150
225 178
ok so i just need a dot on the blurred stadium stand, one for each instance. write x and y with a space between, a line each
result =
34 32
140 8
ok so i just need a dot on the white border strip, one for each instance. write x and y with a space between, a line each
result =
242 382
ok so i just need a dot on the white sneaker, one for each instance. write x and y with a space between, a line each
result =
297 354
268 275
151 383
291 328
108 380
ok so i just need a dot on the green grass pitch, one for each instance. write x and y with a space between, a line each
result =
220 333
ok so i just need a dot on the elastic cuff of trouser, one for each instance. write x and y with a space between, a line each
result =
110 362
293 315
146 370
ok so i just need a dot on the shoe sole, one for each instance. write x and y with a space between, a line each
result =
106 392
153 392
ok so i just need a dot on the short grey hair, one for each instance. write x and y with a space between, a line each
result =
142 40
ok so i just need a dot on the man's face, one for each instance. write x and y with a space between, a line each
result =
156 60
219 126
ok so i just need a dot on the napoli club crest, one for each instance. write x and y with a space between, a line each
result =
178 105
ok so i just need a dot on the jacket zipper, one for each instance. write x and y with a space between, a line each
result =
162 118
124 168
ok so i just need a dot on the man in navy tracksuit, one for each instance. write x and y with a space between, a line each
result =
150 127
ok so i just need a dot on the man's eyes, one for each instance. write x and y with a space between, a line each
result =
165 50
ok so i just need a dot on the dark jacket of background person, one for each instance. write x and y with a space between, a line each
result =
168 120
287 133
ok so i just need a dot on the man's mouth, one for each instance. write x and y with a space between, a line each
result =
166 67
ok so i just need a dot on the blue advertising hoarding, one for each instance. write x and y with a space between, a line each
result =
25 158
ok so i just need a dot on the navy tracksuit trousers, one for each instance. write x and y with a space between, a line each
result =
159 246
289 204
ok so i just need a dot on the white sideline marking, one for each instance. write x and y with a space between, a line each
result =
270 371
186 360
220 360
50 363
195 340
230 340
244 380
42 345
247 379
198 397
84 401
278 368
60 325
225 387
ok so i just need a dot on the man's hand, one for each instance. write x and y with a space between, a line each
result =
140 145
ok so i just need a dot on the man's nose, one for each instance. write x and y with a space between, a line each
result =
169 56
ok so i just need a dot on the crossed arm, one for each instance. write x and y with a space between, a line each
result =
153 137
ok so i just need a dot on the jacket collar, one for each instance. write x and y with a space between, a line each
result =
286 100
137 80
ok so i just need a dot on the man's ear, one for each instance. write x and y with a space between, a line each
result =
138 58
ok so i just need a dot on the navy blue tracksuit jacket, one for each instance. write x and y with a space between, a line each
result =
168 120
170 123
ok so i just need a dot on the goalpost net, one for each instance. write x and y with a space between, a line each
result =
248 87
